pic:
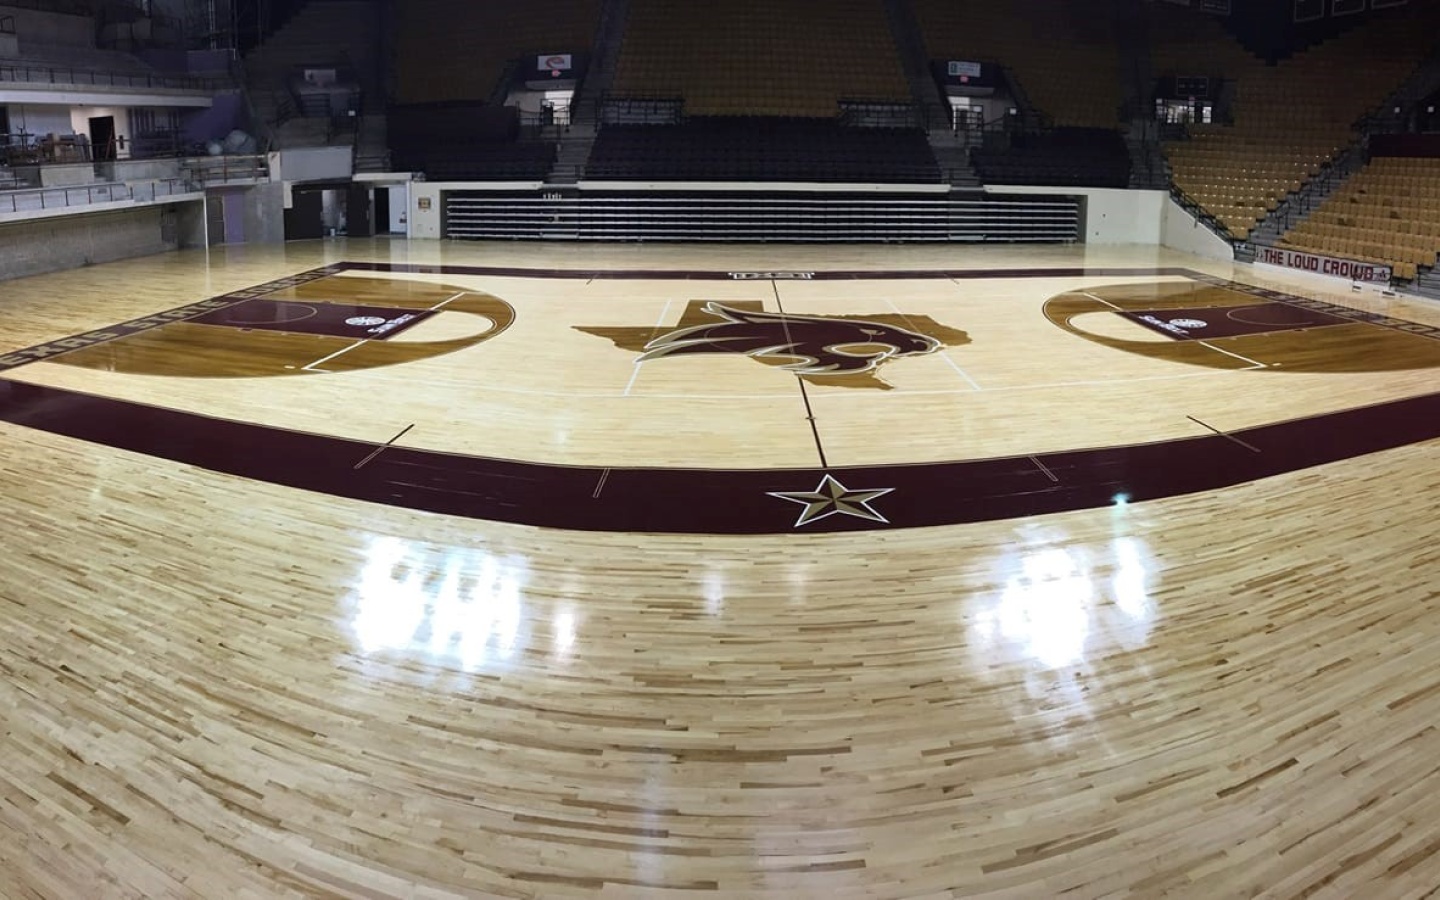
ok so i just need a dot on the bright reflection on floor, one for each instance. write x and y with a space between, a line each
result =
1056 605
455 606
1044 607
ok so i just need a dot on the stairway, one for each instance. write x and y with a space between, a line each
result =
1295 208
951 148
1428 283
1423 82
343 33
915 61
577 140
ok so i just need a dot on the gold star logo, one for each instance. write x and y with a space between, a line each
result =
833 498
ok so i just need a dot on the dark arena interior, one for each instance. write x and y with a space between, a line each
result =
672 449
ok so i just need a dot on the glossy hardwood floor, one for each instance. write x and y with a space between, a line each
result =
216 687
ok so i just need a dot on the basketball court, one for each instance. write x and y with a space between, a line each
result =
502 569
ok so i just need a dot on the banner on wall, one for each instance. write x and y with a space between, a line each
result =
1323 265
556 62
960 68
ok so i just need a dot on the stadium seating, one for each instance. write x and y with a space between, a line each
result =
1065 54
1078 157
1388 212
1289 119
458 49
794 58
762 149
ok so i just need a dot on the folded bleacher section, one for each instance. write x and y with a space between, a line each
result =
1289 119
762 149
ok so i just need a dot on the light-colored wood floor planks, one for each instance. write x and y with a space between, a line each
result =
220 688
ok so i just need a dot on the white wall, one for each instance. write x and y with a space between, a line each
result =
40 120
1112 215
312 164
399 209
1181 231
80 117
424 223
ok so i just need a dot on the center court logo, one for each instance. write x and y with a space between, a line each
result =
364 321
845 351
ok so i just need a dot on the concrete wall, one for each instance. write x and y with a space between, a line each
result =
265 214
1181 231
68 242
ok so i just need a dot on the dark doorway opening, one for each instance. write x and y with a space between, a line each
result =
102 138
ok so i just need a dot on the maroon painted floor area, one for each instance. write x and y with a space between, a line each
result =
335 319
707 501
1201 322
742 501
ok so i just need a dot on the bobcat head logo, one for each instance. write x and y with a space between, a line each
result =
817 345
838 350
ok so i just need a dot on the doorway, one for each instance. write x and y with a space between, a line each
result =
102 138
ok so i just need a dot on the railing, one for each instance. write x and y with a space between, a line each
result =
88 195
43 74
222 169
1193 207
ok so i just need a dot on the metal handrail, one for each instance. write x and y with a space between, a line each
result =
212 169
86 195
38 73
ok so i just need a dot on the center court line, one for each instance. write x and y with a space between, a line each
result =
800 379
944 353
378 450
659 323
311 367
1253 363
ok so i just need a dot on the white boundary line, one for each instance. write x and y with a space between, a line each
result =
311 367
659 323
1101 300
943 353
448 302
1253 363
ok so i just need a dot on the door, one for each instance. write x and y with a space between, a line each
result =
102 138
357 212
215 219
303 218
382 210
